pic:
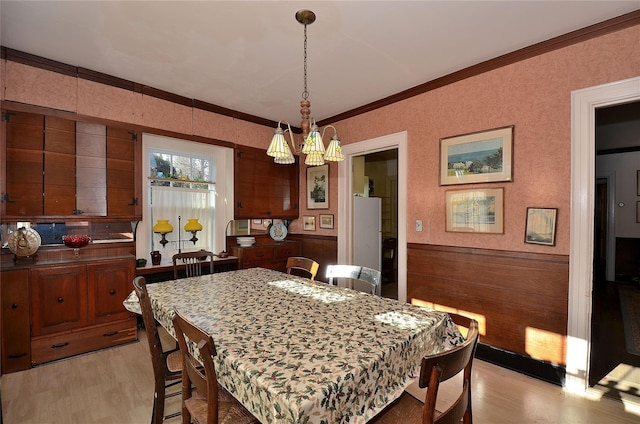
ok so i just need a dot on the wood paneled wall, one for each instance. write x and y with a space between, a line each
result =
520 299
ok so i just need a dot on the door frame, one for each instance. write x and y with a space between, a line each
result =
583 125
345 206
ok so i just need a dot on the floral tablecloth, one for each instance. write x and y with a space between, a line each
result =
296 351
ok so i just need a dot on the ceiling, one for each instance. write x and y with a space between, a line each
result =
248 55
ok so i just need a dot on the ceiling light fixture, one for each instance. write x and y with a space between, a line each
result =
313 145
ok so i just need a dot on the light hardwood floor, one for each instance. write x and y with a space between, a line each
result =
116 386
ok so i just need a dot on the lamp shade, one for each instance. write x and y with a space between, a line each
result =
334 150
314 159
314 143
192 225
162 226
278 147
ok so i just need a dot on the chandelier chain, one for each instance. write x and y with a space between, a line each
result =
305 93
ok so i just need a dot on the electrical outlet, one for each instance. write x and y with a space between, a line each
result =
418 225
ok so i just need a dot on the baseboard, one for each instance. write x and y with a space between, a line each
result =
516 362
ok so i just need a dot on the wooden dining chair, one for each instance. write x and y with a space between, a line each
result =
370 276
203 399
308 265
435 369
442 366
193 262
167 366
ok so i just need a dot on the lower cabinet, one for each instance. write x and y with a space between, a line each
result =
53 312
16 341
269 255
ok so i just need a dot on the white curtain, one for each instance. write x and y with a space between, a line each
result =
171 202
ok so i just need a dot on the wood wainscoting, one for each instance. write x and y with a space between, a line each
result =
322 249
520 299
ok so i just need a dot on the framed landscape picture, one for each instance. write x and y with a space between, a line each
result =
326 221
479 157
541 226
309 223
475 211
318 187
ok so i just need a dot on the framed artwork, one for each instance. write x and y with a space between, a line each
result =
541 226
256 221
479 157
638 212
326 221
309 223
475 211
638 183
318 187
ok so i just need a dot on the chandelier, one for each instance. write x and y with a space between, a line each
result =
312 146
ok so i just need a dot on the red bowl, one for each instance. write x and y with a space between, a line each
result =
76 241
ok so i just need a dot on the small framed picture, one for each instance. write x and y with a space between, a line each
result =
256 221
638 212
309 223
541 226
326 221
475 211
638 183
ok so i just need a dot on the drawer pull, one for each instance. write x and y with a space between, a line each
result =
112 292
14 306
60 299
20 355
113 333
259 255
56 346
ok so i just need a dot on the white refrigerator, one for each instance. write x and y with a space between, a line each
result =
367 232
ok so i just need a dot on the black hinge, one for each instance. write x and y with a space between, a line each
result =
240 205
134 202
5 116
239 153
134 136
4 198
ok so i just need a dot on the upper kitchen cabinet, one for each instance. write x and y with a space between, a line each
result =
264 189
67 168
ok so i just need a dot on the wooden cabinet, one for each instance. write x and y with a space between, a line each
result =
268 255
264 189
62 167
16 341
77 308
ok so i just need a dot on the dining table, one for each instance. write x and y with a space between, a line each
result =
298 351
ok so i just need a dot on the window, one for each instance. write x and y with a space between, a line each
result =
184 180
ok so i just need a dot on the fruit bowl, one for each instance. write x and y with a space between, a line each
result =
76 241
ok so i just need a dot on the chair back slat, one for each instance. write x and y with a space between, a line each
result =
305 264
193 262
355 272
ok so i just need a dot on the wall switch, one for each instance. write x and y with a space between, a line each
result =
418 225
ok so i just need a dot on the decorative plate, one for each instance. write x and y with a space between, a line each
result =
24 242
278 231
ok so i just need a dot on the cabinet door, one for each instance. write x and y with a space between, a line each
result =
58 299
109 286
16 337
91 174
264 189
59 166
24 163
122 199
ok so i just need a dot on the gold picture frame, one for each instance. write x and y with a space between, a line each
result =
479 157
541 226
309 223
326 221
475 211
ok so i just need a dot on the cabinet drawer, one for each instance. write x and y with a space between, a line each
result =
45 349
258 254
284 250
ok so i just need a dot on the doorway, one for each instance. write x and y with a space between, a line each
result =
397 142
583 105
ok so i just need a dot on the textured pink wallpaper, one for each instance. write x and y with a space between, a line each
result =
533 95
